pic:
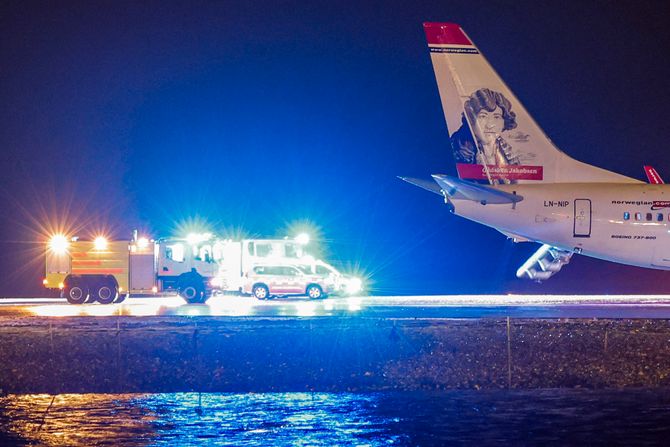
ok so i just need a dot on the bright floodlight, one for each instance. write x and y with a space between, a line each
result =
196 238
302 238
192 238
58 244
100 243
142 243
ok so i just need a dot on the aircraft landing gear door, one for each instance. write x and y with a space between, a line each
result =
582 227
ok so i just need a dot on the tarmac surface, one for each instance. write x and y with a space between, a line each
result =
446 306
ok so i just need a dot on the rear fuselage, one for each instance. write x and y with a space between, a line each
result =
625 223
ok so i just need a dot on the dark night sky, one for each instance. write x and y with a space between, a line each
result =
251 116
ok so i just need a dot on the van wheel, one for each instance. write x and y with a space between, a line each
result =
261 291
75 292
192 293
314 292
106 292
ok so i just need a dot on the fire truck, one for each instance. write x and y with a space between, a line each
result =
195 267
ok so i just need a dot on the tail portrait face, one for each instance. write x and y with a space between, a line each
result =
489 125
485 103
489 114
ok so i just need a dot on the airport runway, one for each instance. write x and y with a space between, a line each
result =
445 306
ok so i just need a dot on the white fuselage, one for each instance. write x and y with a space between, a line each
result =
625 223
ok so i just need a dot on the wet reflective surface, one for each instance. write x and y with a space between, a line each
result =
435 306
613 417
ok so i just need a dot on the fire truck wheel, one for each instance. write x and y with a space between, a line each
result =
261 291
106 292
314 292
91 296
75 293
192 293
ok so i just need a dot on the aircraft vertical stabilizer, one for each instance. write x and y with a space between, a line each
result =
493 138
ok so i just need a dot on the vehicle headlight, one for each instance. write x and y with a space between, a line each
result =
353 285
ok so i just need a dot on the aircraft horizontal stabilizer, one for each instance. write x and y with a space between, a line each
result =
428 185
544 263
462 189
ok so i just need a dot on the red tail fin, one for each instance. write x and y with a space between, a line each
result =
653 176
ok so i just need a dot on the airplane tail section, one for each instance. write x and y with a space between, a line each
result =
493 138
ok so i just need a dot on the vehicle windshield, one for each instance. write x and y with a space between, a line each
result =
323 270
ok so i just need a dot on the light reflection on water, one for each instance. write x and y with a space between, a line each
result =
466 417
193 419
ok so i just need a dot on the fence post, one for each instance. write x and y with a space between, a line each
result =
118 351
509 356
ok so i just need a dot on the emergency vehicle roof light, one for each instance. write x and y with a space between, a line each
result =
142 243
302 238
196 238
58 244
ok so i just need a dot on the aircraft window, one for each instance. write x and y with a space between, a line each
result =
638 216
650 217
660 217
626 216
